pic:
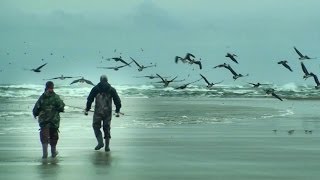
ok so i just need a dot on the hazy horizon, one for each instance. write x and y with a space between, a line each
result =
78 34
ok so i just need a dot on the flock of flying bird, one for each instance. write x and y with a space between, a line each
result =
190 59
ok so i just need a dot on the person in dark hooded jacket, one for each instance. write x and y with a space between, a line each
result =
103 94
47 109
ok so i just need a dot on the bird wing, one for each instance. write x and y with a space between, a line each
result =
89 82
315 78
188 55
124 62
276 96
107 67
136 62
234 59
304 69
199 63
231 70
298 52
287 66
173 79
177 58
160 77
38 68
75 81
205 79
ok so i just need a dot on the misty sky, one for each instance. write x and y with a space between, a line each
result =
260 32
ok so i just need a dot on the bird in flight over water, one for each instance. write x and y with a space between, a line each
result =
301 56
141 67
316 80
82 80
232 57
38 69
305 71
272 92
285 64
62 77
209 84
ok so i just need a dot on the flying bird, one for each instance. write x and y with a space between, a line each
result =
119 59
272 92
232 57
150 76
62 77
141 67
38 69
316 80
185 85
255 85
301 56
305 71
116 68
209 84
235 75
165 81
285 64
82 80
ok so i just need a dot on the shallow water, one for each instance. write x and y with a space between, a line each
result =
169 138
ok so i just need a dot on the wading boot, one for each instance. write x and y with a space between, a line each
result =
44 151
54 151
106 148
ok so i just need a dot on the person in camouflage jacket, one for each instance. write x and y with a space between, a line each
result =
47 109
103 94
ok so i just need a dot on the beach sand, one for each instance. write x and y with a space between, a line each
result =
171 138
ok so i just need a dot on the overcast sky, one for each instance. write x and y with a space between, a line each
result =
260 32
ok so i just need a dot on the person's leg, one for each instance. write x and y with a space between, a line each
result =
107 134
54 136
44 138
96 128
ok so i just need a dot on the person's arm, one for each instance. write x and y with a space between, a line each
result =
116 100
36 108
90 98
60 104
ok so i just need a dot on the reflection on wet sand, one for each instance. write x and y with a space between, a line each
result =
100 158
48 168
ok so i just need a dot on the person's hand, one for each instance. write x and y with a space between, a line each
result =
86 112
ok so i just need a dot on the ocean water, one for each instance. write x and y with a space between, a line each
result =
223 133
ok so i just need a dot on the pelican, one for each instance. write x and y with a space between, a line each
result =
185 85
305 71
62 77
119 59
82 80
38 68
235 75
232 57
285 64
165 81
141 67
116 68
255 85
209 84
301 56
271 91
316 80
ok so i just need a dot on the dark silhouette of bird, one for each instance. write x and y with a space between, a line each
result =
195 62
165 81
209 84
119 59
316 80
141 67
255 85
221 65
305 71
285 64
232 57
272 92
62 77
82 80
150 76
116 68
235 75
186 85
290 132
301 56
38 69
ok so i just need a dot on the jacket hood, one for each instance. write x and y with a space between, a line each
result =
104 86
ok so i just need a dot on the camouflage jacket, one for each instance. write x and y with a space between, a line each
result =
48 107
103 93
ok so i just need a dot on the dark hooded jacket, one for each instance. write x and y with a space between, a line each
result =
104 93
48 107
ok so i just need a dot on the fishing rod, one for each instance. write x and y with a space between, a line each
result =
76 107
